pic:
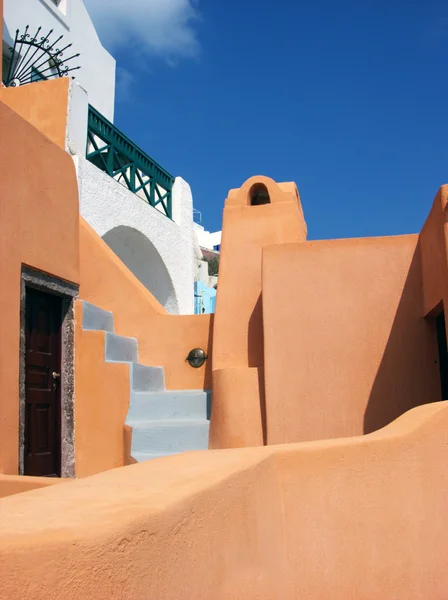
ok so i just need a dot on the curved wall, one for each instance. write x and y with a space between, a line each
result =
363 517
141 257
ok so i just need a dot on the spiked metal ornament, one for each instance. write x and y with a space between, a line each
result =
36 57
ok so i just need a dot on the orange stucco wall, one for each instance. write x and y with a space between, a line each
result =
39 228
43 104
238 326
163 339
102 402
347 349
18 484
433 252
363 517
238 330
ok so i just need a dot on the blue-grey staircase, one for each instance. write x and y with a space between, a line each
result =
163 421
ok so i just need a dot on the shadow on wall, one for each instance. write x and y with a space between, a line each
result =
142 258
408 374
255 342
255 356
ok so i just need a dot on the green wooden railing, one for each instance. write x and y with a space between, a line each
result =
113 152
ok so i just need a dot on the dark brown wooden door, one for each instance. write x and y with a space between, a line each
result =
43 318
443 354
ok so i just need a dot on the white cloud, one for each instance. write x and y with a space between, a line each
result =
163 28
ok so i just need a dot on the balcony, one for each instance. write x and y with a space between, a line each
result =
115 154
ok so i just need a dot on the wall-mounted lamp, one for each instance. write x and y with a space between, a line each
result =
196 358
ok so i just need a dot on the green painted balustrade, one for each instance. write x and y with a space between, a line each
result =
113 152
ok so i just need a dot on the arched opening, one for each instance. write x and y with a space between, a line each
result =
141 257
259 195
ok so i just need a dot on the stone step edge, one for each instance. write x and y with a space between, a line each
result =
173 422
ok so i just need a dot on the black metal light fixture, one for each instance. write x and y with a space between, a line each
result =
196 358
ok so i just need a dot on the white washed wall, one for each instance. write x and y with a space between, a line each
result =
157 250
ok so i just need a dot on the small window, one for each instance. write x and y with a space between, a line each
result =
61 4
259 195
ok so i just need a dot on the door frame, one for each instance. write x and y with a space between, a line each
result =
32 278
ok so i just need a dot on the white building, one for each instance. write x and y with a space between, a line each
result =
141 211
207 239
207 246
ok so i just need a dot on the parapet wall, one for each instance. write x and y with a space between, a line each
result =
43 104
18 484
363 517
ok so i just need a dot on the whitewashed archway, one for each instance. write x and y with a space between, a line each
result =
141 257
158 250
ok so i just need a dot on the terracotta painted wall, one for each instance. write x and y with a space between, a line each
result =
346 347
163 339
101 406
363 517
433 252
238 331
38 203
43 104
238 328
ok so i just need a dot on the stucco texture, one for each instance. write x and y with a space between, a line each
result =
18 484
43 104
363 517
102 402
347 349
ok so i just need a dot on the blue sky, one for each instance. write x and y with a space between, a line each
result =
349 99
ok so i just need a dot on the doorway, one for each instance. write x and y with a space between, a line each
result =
443 353
43 321
46 385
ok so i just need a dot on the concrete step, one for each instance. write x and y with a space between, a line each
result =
120 349
147 379
167 437
182 404
96 319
